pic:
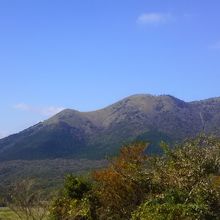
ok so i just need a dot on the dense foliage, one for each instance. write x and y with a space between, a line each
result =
73 202
184 183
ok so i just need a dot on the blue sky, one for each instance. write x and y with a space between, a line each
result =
86 54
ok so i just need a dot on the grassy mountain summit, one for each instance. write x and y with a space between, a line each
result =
96 134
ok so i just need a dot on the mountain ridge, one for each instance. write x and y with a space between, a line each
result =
95 134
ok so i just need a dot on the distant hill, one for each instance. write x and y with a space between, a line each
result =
96 134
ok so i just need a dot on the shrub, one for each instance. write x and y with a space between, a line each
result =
72 204
183 184
186 180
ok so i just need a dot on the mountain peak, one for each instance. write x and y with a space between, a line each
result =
76 134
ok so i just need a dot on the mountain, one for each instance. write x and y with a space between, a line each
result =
96 134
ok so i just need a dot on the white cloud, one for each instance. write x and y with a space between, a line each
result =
215 46
3 134
46 111
51 110
154 18
23 107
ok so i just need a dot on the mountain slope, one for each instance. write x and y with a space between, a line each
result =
93 135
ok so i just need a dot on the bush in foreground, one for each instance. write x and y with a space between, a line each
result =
73 202
182 184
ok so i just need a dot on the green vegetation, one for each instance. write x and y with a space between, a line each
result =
7 214
49 174
74 201
184 184
26 201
